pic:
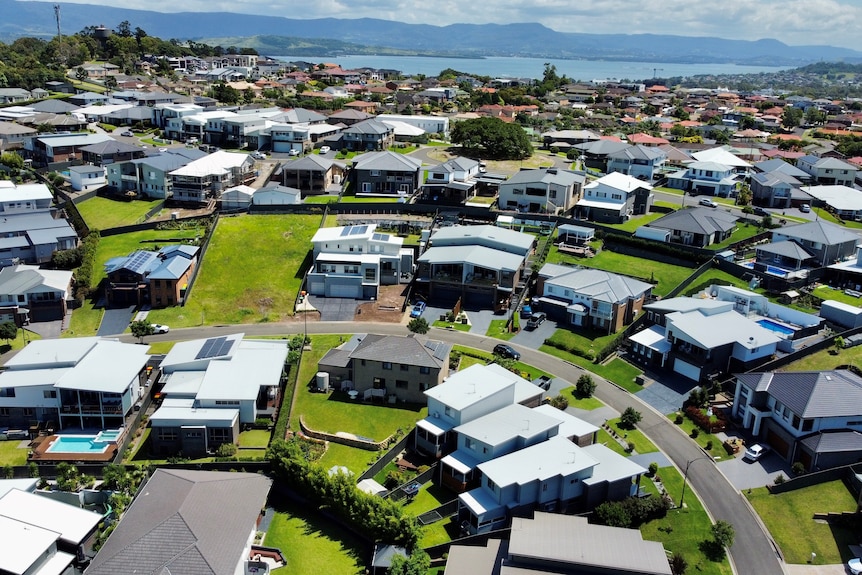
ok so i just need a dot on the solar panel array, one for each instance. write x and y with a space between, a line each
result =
438 349
353 231
380 237
215 347
138 261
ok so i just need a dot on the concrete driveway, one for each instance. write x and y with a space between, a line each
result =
666 392
536 337
746 474
335 308
480 320
115 321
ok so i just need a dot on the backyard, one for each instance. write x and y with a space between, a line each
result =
12 454
826 292
827 359
102 213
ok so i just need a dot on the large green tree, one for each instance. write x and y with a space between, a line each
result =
492 138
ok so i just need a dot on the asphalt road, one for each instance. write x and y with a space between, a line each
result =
753 551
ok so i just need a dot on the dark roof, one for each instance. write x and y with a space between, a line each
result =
834 441
811 394
407 350
788 249
110 147
819 232
53 106
696 220
190 522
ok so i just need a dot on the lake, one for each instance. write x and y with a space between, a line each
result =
499 66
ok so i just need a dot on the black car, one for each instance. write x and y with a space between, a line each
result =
536 319
506 351
758 211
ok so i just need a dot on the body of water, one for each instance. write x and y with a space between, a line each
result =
499 66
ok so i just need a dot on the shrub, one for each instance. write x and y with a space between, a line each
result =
694 433
393 480
632 512
798 468
709 445
779 479
717 422
226 450
560 402
630 447
678 419
630 418
653 469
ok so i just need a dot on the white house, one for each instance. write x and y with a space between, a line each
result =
206 178
828 171
85 177
548 190
614 198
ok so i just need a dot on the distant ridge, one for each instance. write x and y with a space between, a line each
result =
367 35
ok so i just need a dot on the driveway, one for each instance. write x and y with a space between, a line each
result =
335 308
746 474
667 392
480 320
536 337
115 321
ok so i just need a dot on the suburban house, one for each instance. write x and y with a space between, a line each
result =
828 243
828 171
368 135
386 174
46 149
428 124
158 278
81 383
203 180
213 386
29 294
814 417
565 544
353 261
614 198
641 162
30 229
543 190
708 178
149 177
312 175
188 521
554 475
844 201
695 226
467 395
724 156
590 298
86 176
109 152
775 189
564 139
480 265
387 366
451 182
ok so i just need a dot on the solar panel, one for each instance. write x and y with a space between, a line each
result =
210 347
346 231
358 230
225 348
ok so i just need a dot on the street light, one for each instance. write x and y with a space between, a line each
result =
685 476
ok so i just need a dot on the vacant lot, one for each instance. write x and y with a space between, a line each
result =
102 213
251 272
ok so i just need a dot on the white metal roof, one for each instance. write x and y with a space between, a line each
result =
254 364
843 198
25 192
482 256
555 457
654 338
72 523
23 544
170 416
109 367
52 352
183 383
570 426
219 162
711 331
32 377
473 385
507 423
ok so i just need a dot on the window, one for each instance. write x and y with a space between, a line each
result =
424 386
616 196
220 435
49 394
448 411
401 384
4 412
404 367
425 370
379 383
29 412
491 485
7 392
166 433
807 424
468 443
387 365
227 402
552 194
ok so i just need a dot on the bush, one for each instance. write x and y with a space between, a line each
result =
560 402
678 419
632 512
653 469
630 418
585 386
779 479
798 468
226 450
694 433
709 445
717 422
393 480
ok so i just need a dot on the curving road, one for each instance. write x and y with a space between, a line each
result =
753 551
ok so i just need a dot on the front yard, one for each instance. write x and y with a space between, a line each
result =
102 213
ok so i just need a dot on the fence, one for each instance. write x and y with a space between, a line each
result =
848 474
827 343
388 457
439 513
401 492
203 250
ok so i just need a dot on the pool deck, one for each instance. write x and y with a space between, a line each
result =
39 453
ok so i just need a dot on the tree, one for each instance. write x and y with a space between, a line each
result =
418 325
492 138
723 533
678 564
142 328
629 418
8 331
837 343
744 196
585 386
791 117
81 74
417 563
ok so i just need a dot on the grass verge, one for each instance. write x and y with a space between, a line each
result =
617 370
103 213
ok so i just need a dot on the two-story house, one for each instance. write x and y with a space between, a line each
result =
353 261
46 149
480 265
467 395
386 174
311 175
149 177
395 366
828 171
205 179
543 190
158 278
451 182
30 294
614 198
368 135
828 243
814 417
709 178
642 162
30 229
590 298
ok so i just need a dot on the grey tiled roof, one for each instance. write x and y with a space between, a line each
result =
697 220
819 232
834 441
786 248
397 349
811 394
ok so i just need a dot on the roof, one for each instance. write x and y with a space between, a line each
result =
111 147
475 255
619 181
474 384
23 545
842 198
556 457
811 394
22 279
408 350
706 221
572 540
834 441
787 248
472 559
639 152
220 162
780 166
819 232
654 337
72 523
52 352
685 304
486 234
713 330
369 126
722 156
109 367
570 426
507 423
387 161
547 176
602 147
776 178
175 525
313 162
598 284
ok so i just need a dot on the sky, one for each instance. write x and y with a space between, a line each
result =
794 22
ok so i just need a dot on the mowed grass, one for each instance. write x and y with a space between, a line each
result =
825 360
826 292
10 454
617 370
789 518
103 213
252 272
634 223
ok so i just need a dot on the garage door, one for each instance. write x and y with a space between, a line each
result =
338 290
778 443
317 288
684 368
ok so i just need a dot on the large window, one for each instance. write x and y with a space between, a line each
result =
166 433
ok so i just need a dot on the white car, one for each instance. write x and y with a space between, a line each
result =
755 452
855 566
293 152
324 149
708 203
258 156
159 328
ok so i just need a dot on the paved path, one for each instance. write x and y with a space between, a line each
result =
753 551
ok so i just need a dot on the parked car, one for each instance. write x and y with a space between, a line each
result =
418 309
855 566
506 351
536 319
758 211
805 208
708 203
324 149
526 311
128 134
293 152
258 155
755 452
159 328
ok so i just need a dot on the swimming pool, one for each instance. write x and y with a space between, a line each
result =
776 327
77 444
772 270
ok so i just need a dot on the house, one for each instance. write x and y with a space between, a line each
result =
12 95
723 156
595 153
158 278
808 416
844 201
828 171
188 521
30 229
565 544
640 161
46 149
708 178
30 294
205 179
13 134
86 176
451 182
81 383
776 189
386 174
479 265
589 298
428 124
347 117
212 387
467 395
387 366
697 226
150 176
543 190
368 135
552 475
826 242
614 198
312 174
108 152
564 139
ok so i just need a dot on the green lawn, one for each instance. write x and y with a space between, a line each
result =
10 454
826 292
313 545
320 200
789 518
683 530
617 370
605 439
21 339
585 403
714 276
826 215
742 232
356 460
254 438
527 371
634 223
251 273
703 438
826 360
584 341
345 199
102 214
498 330
636 436
85 320
450 325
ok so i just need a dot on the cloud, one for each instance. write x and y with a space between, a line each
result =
795 22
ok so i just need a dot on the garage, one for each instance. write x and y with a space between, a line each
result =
778 443
688 370
341 290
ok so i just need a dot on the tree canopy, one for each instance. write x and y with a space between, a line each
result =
492 138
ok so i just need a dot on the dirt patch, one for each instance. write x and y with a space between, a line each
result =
537 160
386 308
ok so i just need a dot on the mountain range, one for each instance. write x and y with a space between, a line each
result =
333 36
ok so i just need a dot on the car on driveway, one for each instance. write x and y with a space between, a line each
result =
536 319
755 452
159 328
418 309
258 155
506 351
127 134
324 149
804 208
855 566
758 211
293 152
708 203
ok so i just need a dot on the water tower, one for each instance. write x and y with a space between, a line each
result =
102 34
